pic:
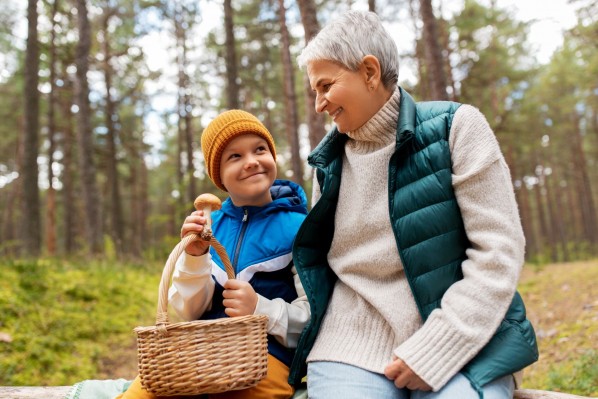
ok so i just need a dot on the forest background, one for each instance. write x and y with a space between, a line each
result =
100 158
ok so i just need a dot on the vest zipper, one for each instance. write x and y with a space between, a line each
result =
240 241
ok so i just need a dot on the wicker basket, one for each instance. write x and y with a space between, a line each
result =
204 356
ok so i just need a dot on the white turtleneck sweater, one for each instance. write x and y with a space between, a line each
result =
372 314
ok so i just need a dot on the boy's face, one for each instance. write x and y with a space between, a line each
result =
247 170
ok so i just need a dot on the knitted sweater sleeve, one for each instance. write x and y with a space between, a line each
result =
472 309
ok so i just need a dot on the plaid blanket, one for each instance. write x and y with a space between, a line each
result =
98 389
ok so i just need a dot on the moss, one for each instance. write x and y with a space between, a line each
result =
65 317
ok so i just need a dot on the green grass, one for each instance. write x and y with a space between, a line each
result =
63 321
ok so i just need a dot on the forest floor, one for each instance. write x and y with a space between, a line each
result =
562 304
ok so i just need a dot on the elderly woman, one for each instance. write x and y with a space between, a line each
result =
411 254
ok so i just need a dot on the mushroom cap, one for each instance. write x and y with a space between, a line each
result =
207 199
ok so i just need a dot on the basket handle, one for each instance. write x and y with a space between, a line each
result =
162 312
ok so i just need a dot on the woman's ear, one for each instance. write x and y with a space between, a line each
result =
371 68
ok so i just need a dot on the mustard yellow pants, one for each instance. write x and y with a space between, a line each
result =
273 386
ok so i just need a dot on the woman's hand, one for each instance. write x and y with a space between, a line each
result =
240 298
195 223
404 377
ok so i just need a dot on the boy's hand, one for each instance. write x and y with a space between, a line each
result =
194 223
404 377
240 298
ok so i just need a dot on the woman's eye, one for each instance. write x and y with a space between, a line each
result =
326 87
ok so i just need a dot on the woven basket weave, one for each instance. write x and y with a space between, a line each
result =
204 356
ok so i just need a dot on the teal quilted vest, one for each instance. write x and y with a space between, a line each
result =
432 248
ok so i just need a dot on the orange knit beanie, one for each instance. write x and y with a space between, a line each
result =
222 130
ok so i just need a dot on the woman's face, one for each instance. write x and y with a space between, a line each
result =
345 95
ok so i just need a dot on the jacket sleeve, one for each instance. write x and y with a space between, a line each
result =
192 286
472 308
286 320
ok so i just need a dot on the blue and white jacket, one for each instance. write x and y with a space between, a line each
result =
259 243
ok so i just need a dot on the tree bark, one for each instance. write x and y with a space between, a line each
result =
582 183
92 203
290 97
372 5
434 59
541 209
69 201
231 57
185 130
11 211
315 121
51 194
116 213
31 221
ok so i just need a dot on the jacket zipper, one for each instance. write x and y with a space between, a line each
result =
240 241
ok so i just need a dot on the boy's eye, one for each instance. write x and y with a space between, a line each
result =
233 156
261 148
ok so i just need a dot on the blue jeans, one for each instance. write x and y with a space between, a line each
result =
331 380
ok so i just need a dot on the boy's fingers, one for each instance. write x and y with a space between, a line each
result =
232 284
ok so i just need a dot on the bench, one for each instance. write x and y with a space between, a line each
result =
61 392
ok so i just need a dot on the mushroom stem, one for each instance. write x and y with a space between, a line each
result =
207 203
206 234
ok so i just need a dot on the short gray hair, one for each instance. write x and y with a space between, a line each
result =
351 37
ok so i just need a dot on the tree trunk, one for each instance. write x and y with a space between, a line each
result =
315 121
582 183
526 219
372 5
51 194
231 57
443 36
290 97
558 213
116 213
540 208
92 204
9 244
69 201
31 220
423 84
185 132
434 59
522 201
191 190
139 201
557 236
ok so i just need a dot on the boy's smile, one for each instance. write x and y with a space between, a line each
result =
247 170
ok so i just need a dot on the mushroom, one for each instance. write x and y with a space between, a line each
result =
207 203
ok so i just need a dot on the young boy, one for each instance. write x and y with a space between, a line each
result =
257 225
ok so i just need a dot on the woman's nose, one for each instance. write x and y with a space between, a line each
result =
320 103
